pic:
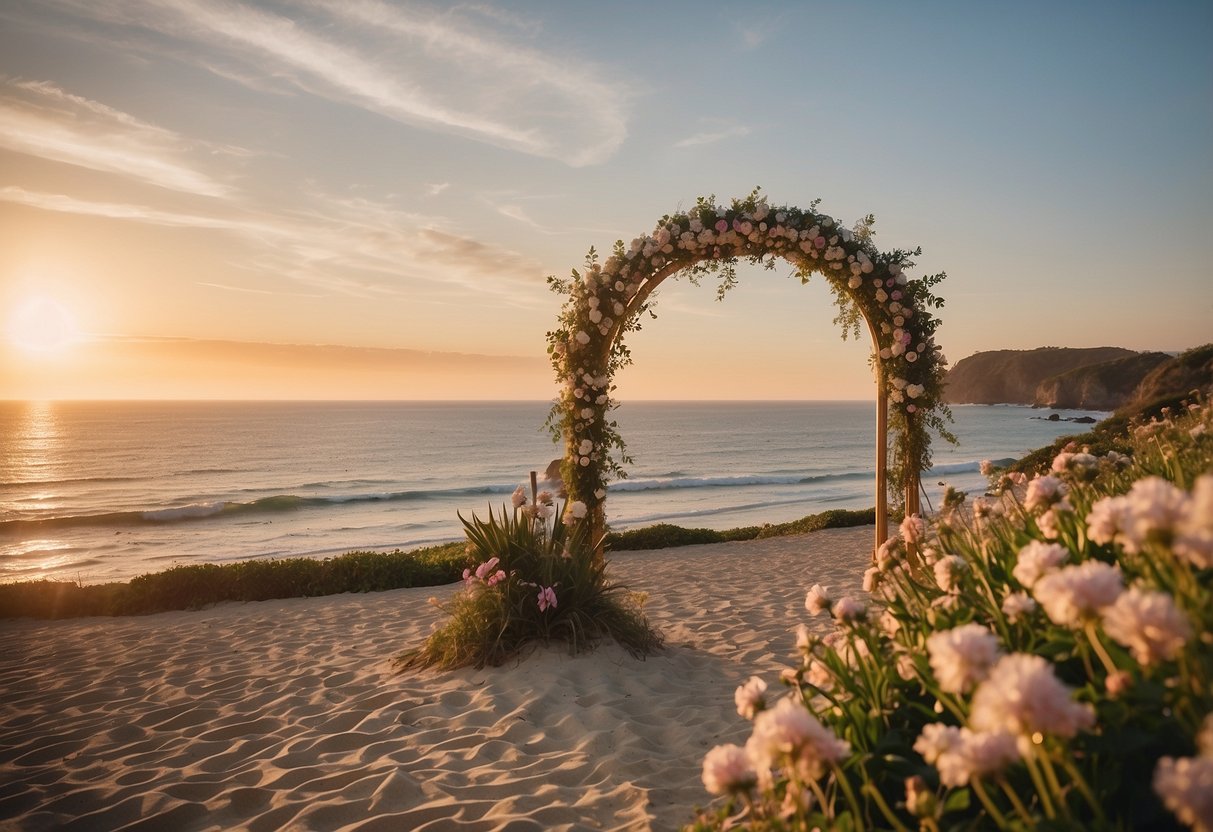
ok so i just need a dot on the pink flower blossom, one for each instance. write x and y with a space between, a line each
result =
1149 624
913 529
788 735
722 226
1074 594
817 600
749 697
849 610
1186 787
961 754
518 498
1018 605
948 570
962 657
1036 560
1043 492
547 598
485 569
577 510
1194 536
727 769
1023 696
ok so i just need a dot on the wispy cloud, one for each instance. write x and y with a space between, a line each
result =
348 246
435 188
714 136
447 72
756 28
40 119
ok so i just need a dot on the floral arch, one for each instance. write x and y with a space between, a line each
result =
606 300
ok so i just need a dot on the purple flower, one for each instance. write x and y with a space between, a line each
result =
547 598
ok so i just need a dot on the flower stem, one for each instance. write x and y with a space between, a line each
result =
1037 781
871 791
1020 809
845 785
980 791
1080 783
1093 637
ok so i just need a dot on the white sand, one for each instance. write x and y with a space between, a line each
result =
287 714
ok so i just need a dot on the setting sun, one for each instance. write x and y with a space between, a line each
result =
42 325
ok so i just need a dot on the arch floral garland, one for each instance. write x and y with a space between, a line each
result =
607 299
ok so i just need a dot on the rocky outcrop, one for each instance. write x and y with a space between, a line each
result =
1013 376
1188 372
1103 386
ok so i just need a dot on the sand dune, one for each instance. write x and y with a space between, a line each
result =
287 714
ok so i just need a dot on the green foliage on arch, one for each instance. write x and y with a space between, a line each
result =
608 299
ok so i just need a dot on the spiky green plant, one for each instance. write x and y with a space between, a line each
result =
537 582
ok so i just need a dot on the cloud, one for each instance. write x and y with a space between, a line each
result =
347 246
435 188
713 136
40 119
445 72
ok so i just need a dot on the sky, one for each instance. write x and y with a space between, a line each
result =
362 199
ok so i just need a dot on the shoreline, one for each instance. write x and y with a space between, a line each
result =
271 713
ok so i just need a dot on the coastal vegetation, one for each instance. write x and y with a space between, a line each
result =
194 586
535 580
1044 662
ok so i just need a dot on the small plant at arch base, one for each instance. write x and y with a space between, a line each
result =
533 581
1052 667
608 299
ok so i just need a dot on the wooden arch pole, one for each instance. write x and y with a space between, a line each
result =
882 444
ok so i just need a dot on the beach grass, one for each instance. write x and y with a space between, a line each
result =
195 586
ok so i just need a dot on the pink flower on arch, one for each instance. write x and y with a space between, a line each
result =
547 598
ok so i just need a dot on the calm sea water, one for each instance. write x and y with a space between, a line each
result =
108 490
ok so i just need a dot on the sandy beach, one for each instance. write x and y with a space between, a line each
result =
288 715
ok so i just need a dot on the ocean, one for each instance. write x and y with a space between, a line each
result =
103 491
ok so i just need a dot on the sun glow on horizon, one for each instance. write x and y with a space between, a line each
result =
41 325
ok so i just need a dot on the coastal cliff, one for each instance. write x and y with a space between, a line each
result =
1014 376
